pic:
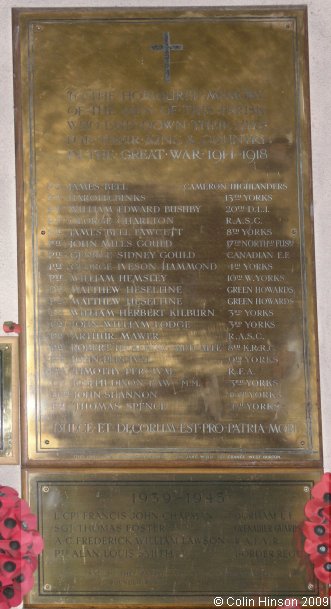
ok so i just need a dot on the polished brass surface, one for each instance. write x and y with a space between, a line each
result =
169 539
169 281
9 405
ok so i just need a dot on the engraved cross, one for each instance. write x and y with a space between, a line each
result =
166 47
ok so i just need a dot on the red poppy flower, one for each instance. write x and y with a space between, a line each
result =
6 491
25 581
10 596
322 490
323 570
16 518
8 499
9 526
317 550
317 532
20 543
11 326
5 580
23 510
317 511
317 529
10 566
6 504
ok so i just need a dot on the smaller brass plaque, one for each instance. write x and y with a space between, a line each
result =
9 443
164 539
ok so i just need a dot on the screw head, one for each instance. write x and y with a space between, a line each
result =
45 489
306 489
311 586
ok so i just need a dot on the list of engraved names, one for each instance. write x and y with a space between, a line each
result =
135 530
169 263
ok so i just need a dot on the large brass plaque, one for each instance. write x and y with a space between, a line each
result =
169 539
169 283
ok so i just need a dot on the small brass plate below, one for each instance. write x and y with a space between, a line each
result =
9 400
164 539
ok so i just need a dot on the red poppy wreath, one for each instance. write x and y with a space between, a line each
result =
20 544
317 529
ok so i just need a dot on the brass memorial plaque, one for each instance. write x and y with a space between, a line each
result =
9 400
165 208
170 539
